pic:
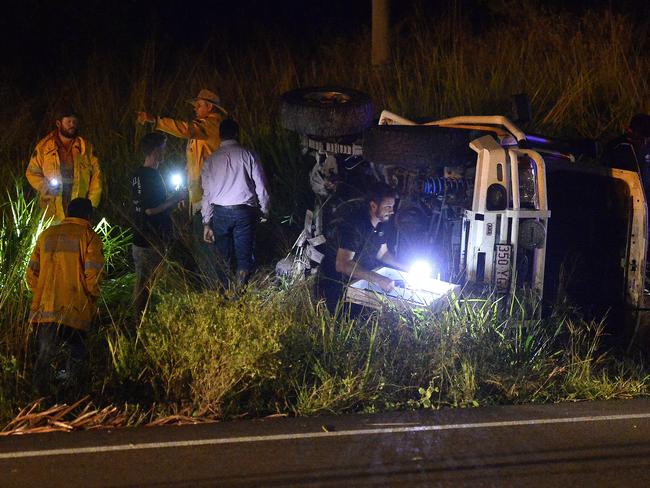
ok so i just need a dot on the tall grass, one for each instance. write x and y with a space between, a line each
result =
20 223
586 75
273 348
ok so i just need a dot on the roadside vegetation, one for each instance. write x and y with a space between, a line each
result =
271 349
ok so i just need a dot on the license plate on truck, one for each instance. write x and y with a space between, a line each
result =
503 253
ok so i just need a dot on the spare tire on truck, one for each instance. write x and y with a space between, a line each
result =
328 111
419 146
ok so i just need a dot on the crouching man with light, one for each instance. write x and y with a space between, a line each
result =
360 245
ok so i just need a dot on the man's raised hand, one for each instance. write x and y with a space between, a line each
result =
145 117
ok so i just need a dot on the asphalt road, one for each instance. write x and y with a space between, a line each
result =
581 444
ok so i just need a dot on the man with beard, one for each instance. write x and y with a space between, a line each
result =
360 245
63 167
203 138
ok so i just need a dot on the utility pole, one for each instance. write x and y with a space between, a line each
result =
380 48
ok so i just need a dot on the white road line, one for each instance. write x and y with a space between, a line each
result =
312 435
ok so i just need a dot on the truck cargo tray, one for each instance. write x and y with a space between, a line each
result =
430 293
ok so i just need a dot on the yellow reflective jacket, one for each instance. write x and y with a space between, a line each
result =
64 274
45 165
203 135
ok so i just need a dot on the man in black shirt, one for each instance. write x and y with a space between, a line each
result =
152 223
359 246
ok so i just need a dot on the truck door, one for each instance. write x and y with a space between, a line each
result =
596 247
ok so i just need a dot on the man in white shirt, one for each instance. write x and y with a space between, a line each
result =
234 193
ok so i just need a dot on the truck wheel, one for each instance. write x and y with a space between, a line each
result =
414 147
328 111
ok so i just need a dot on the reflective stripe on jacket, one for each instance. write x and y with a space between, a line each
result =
64 274
203 135
45 165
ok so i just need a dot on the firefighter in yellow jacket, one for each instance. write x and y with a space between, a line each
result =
202 134
64 274
203 139
63 167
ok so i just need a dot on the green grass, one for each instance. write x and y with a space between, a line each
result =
273 349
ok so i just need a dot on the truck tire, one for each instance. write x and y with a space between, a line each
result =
414 147
328 111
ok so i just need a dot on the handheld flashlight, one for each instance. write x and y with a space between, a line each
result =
419 273
176 180
54 182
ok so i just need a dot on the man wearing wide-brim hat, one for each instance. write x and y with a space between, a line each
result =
203 139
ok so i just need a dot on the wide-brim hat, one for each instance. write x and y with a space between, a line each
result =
210 97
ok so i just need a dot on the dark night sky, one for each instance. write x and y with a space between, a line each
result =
51 36
100 23
57 27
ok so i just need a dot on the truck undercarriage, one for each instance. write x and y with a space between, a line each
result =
489 206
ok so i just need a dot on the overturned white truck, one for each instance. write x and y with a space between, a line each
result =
492 206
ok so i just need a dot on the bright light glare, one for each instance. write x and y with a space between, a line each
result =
54 182
419 274
177 180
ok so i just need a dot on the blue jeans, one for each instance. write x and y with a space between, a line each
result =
234 228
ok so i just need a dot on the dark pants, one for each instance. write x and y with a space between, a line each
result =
146 261
60 357
332 291
234 228
204 255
